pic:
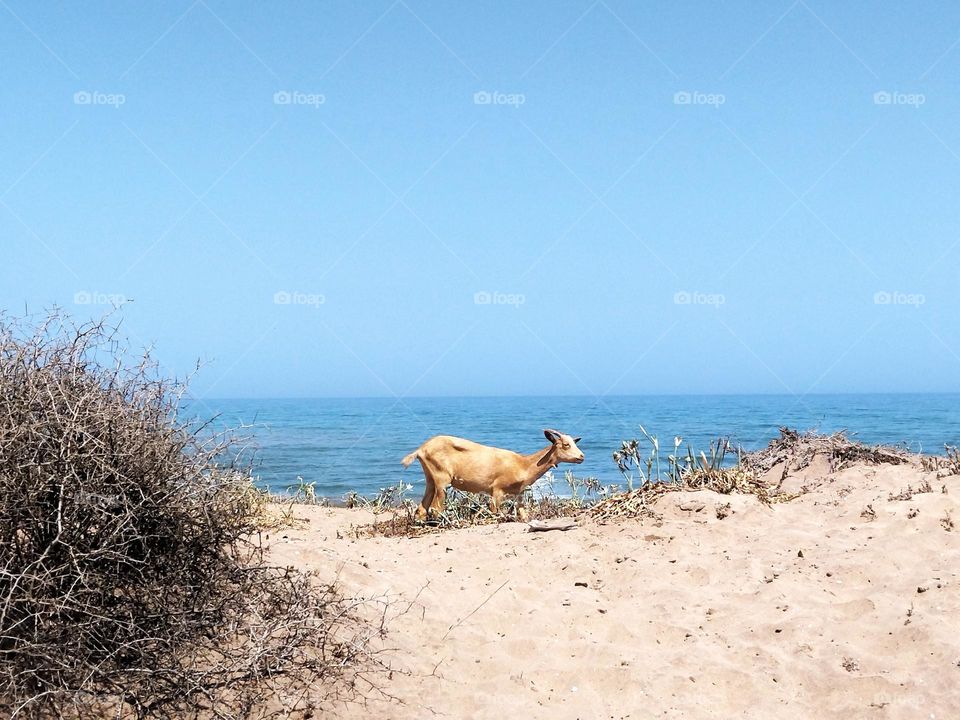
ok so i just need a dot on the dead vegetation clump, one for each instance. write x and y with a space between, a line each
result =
945 465
132 581
908 492
796 450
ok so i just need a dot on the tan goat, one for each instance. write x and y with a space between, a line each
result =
474 467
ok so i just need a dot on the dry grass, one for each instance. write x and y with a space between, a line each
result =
635 503
908 492
945 465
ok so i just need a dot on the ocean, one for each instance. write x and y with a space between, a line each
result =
356 444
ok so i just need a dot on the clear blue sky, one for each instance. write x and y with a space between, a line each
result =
657 197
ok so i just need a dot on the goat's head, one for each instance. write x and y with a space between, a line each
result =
564 446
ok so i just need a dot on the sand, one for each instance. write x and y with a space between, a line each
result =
843 603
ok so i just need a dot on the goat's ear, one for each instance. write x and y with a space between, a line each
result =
551 435
576 439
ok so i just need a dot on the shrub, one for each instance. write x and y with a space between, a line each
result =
132 581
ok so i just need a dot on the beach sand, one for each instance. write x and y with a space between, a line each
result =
843 603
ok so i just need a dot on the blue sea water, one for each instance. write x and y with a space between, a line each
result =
356 444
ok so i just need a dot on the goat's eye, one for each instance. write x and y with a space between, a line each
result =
566 446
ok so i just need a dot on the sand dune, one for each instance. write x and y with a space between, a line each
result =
843 603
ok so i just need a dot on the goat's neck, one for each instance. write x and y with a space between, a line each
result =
538 463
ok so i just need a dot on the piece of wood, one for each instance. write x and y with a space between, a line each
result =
552 524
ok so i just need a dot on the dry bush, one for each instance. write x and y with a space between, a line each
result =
132 582
796 451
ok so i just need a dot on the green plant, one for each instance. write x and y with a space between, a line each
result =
391 496
387 498
305 492
631 457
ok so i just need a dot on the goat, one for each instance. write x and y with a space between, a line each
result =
473 467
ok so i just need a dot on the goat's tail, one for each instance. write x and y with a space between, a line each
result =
410 458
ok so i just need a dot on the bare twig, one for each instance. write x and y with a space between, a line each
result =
460 622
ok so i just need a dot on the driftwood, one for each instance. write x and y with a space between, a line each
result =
559 523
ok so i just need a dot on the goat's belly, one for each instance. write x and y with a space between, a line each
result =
471 484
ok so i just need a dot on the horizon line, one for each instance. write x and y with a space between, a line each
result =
201 398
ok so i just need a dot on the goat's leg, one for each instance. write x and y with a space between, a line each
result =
523 515
439 498
496 497
428 494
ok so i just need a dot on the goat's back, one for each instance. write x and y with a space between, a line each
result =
464 458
